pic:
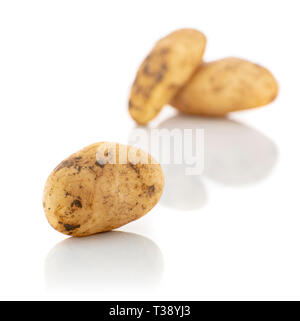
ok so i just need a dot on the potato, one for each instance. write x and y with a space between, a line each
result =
88 193
169 65
224 86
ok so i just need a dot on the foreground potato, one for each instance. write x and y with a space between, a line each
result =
226 85
169 65
86 195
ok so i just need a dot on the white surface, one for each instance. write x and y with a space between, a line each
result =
65 71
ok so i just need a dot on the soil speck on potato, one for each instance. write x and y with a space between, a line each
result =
151 190
134 167
76 203
70 227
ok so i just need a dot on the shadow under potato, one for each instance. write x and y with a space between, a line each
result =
108 261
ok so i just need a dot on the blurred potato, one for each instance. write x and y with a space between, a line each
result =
167 68
224 86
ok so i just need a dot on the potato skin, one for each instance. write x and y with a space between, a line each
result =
169 65
224 86
83 196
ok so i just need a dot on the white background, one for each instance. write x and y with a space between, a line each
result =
66 68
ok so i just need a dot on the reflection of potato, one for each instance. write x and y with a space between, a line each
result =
85 195
224 86
169 65
116 261
183 192
234 154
